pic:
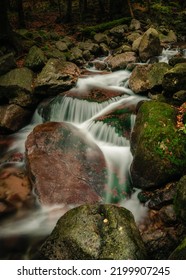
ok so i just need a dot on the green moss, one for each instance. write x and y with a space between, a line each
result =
180 252
92 30
161 135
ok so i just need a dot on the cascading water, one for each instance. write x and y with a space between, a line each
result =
115 147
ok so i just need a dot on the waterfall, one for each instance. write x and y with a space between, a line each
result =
87 116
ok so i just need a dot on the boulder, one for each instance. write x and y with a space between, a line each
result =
16 86
64 165
133 36
158 147
120 61
149 45
56 76
180 199
76 56
7 62
13 118
95 232
148 76
175 79
35 59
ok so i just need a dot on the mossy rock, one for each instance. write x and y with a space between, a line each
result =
95 232
175 79
158 147
35 59
180 252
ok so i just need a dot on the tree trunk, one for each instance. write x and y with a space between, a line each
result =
68 15
130 8
21 15
7 36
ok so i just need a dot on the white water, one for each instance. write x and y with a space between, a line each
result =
115 148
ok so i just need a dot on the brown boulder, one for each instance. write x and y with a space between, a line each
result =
64 165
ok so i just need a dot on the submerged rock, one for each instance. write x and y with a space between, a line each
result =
64 165
158 147
95 232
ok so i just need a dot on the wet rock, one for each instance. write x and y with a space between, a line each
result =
158 147
168 215
96 94
35 59
120 61
133 37
12 118
147 77
168 38
180 252
175 79
95 232
64 165
180 199
16 87
15 189
149 45
177 59
7 62
76 56
56 76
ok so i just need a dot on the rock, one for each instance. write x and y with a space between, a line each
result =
64 165
35 59
15 189
76 56
135 24
7 62
180 97
175 79
158 147
89 46
120 61
177 59
101 38
104 49
96 94
13 118
95 232
55 53
56 76
133 36
149 45
61 46
118 31
180 199
136 43
180 252
16 86
147 77
169 38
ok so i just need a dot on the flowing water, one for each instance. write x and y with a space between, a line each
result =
115 147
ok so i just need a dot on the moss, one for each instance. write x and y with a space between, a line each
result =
92 30
161 135
180 252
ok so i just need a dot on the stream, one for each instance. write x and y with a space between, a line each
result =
39 222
